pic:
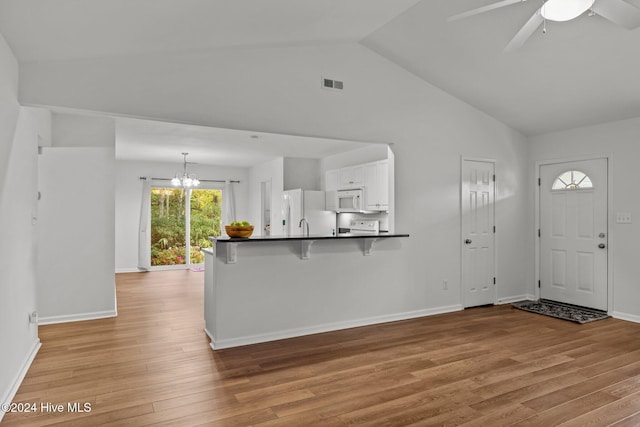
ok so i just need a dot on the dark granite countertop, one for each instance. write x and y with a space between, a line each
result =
311 237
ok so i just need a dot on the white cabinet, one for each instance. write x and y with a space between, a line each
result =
331 180
376 184
374 177
351 177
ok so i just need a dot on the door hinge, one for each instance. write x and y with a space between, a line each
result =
538 283
539 234
539 182
494 280
494 177
494 228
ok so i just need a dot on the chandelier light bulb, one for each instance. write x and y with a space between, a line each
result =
185 180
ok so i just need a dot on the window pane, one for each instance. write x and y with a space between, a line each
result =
168 245
572 180
586 183
206 210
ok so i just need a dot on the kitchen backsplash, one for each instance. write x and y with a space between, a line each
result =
344 219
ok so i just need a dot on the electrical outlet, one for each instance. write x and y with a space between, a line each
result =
445 285
623 217
33 317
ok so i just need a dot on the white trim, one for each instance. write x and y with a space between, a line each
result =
463 294
159 268
130 270
625 316
524 297
327 327
206 331
170 267
77 317
610 219
11 393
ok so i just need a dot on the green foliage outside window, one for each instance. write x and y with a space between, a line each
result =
168 224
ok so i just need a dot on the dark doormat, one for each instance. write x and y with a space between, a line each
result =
563 311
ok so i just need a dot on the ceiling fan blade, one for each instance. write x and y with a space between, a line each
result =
619 12
525 32
483 9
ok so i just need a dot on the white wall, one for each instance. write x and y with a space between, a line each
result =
18 256
18 189
72 130
370 153
275 89
272 294
301 173
619 141
128 188
269 171
9 106
76 234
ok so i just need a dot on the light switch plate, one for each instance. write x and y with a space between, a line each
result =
623 217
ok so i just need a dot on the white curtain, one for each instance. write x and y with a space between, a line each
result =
229 202
144 232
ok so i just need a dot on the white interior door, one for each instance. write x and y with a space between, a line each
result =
573 233
478 197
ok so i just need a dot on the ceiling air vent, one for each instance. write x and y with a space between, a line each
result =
332 84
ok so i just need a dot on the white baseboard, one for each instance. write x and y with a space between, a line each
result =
206 331
327 327
524 297
625 316
11 393
129 270
77 317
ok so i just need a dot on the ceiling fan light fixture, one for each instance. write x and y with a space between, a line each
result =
564 10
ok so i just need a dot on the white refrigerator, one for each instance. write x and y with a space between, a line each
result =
298 204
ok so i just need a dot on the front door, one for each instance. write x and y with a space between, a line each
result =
573 233
478 194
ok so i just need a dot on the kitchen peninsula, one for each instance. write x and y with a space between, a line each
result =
266 288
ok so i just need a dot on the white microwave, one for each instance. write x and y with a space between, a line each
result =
350 200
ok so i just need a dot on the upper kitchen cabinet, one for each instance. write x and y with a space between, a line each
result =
331 180
376 185
371 169
351 177
373 177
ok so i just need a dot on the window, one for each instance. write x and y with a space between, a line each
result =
572 180
181 223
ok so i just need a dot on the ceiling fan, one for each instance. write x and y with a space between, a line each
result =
617 11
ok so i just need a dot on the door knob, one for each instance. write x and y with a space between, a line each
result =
601 246
468 241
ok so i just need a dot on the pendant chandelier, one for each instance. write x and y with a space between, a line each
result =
185 180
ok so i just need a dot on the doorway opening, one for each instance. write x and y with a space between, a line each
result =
181 222
265 207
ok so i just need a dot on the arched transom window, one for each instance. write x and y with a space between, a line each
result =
572 180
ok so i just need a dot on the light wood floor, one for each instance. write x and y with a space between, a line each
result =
481 367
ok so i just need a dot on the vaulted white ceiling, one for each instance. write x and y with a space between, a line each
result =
581 72
45 30
72 29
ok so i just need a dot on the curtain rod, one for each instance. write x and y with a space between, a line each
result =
201 180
